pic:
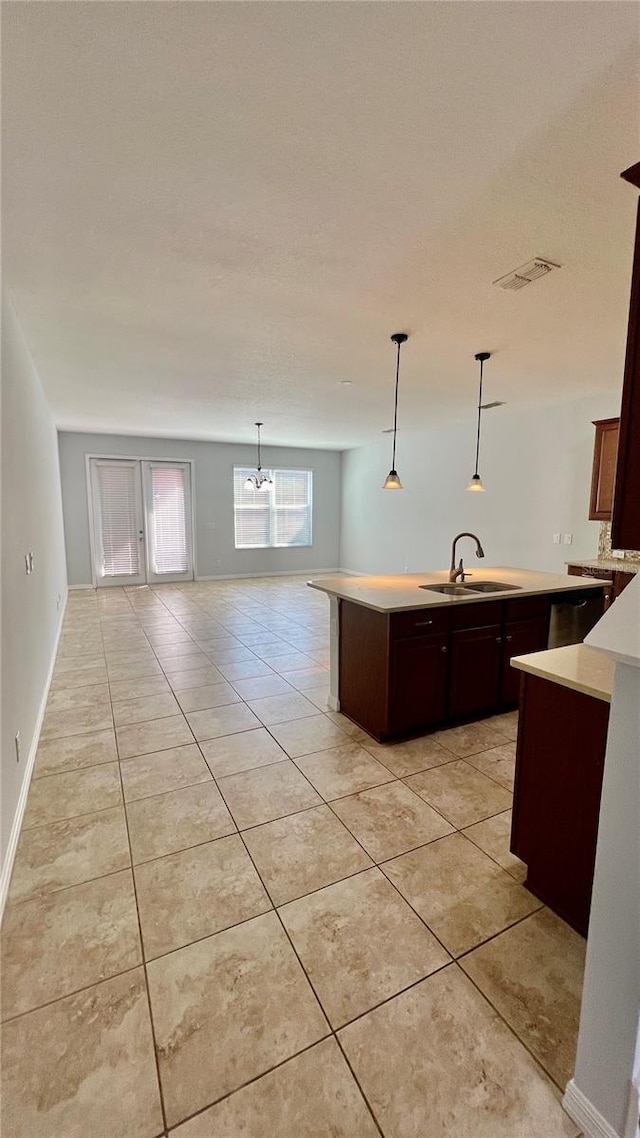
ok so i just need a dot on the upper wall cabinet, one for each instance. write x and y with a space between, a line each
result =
625 529
603 477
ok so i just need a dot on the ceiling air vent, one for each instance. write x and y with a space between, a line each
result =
526 274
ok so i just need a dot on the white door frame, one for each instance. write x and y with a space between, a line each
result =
135 458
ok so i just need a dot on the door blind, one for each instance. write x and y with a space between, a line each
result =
118 531
168 546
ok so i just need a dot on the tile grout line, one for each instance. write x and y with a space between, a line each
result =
308 978
141 941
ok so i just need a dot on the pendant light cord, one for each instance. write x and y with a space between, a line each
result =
395 408
479 416
258 425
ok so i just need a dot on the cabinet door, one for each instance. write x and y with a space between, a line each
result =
603 476
620 582
476 663
418 682
562 736
520 637
625 530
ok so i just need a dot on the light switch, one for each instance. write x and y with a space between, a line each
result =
557 538
567 538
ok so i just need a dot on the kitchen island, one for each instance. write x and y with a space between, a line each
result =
406 659
562 732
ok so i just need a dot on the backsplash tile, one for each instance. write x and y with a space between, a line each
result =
604 544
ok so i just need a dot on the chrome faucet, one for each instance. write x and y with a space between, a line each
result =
459 572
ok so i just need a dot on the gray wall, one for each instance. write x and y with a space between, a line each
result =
213 502
31 520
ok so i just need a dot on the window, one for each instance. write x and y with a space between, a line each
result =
278 516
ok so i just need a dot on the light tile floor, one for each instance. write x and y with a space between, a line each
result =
232 912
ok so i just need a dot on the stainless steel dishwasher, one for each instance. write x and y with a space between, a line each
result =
573 617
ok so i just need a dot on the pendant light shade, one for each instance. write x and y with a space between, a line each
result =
392 481
475 484
258 481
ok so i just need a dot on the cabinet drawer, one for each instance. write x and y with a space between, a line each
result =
419 622
527 608
477 616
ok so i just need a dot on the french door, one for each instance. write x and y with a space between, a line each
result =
141 521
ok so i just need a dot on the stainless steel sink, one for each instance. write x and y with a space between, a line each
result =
449 590
477 587
491 587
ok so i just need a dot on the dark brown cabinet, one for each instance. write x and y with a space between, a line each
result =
618 580
560 757
603 475
406 672
418 682
625 529
476 658
520 637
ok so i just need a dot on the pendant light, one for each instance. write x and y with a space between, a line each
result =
392 482
258 481
476 482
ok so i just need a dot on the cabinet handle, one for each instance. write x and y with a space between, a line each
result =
498 640
509 638
444 648
422 623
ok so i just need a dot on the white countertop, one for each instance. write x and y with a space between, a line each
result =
576 666
396 593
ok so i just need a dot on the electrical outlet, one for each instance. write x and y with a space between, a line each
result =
557 538
567 538
618 554
17 746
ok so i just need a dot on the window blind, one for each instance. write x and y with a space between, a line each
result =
278 516
168 546
119 536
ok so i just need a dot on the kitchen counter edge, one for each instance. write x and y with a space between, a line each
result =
364 590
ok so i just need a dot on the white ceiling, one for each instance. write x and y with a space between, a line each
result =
214 212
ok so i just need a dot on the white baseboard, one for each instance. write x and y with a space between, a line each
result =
268 573
240 576
12 844
585 1115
